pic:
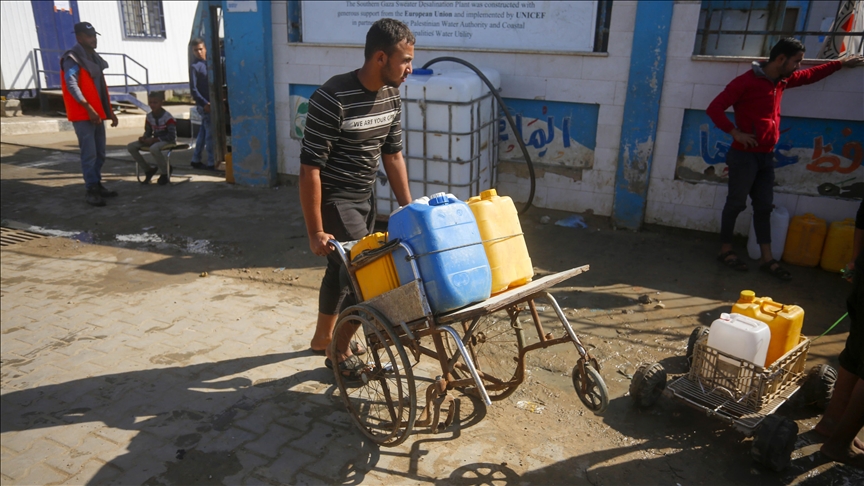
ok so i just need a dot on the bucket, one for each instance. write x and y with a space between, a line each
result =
379 276
784 321
838 245
443 235
779 228
804 240
740 336
502 240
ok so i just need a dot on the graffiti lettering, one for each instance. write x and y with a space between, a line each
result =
722 148
541 137
825 161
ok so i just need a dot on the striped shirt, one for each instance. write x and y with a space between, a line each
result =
347 129
163 127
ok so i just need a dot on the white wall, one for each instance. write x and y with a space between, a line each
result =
692 84
600 79
17 40
165 59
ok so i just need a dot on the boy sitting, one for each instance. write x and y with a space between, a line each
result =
160 129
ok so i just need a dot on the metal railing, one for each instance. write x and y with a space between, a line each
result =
777 23
37 59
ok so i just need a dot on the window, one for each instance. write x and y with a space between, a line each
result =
751 27
143 18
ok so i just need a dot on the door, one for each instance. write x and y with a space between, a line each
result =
55 28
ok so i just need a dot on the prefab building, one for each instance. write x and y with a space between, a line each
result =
143 41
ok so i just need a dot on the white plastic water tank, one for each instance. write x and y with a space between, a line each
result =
779 228
740 336
448 130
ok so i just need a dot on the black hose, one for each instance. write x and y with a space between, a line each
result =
506 113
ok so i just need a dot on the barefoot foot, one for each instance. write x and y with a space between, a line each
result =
846 455
826 430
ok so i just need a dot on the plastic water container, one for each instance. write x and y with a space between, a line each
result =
449 132
784 321
379 276
779 228
443 235
838 245
740 336
502 239
804 240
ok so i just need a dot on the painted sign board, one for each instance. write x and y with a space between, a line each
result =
235 6
813 157
555 133
510 25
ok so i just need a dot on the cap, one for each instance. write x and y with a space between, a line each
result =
85 28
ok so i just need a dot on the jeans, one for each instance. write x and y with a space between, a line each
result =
91 142
205 138
155 151
750 173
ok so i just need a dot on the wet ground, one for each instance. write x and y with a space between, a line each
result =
542 434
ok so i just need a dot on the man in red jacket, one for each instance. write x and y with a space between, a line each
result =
755 97
85 95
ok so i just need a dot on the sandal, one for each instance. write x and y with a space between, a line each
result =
777 271
356 348
353 365
734 263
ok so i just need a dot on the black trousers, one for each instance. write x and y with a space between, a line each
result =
347 220
750 174
852 357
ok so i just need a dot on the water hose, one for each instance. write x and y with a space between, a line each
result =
506 113
832 326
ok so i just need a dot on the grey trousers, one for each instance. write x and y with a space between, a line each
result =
155 151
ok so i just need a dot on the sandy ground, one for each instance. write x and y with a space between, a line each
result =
257 236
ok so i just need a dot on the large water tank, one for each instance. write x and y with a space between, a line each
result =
449 123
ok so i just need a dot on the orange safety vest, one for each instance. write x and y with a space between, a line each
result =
74 110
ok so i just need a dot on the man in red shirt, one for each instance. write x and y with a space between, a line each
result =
755 97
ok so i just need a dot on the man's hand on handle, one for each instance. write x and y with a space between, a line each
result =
746 139
319 243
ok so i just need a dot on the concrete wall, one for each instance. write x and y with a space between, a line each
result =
599 79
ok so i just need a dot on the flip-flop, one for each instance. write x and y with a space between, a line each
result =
356 348
777 271
353 365
734 263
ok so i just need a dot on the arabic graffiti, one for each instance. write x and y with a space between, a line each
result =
722 148
540 138
825 161
555 133
813 156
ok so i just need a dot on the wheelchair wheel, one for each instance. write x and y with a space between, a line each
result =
382 401
590 386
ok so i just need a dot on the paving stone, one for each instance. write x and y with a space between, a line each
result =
282 469
94 471
270 442
41 474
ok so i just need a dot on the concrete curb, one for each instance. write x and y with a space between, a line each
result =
29 126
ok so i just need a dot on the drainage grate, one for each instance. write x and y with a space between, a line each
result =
9 236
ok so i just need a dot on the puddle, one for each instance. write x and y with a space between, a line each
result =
140 238
53 232
145 240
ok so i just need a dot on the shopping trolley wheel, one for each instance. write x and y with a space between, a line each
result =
774 442
691 342
648 384
590 386
818 387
